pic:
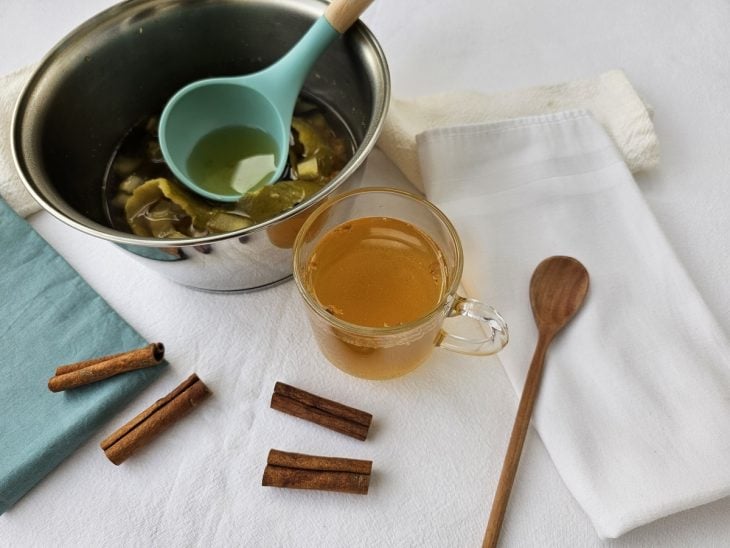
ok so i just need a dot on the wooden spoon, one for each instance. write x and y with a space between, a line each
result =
557 290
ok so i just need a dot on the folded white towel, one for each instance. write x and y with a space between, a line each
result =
11 188
634 408
610 97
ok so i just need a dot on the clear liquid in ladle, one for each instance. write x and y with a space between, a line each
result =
232 160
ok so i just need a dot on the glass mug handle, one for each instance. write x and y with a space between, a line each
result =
494 326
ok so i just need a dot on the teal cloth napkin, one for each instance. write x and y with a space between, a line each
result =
51 317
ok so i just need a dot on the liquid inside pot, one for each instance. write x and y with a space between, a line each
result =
142 196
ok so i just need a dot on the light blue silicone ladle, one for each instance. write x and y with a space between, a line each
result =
263 100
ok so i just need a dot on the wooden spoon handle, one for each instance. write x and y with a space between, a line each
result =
341 14
516 441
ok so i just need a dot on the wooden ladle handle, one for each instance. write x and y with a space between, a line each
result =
341 14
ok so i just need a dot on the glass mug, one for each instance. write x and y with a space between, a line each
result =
406 230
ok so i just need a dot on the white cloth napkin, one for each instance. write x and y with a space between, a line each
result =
610 97
634 407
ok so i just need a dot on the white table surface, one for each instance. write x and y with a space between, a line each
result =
674 53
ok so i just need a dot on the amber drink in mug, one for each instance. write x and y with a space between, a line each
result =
379 270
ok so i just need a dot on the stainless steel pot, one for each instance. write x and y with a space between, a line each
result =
126 62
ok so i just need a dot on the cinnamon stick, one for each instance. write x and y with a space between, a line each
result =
96 369
330 414
151 422
299 471
63 369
